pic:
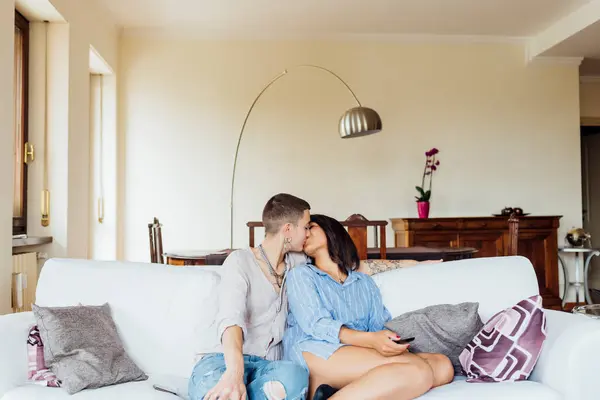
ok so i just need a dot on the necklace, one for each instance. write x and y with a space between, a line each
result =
340 280
278 277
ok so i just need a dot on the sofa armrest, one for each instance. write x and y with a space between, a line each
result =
571 356
13 349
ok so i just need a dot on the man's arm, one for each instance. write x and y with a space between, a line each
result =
233 344
231 328
231 385
371 267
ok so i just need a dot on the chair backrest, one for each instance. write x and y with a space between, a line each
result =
357 226
156 246
513 235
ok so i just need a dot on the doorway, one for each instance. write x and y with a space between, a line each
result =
590 185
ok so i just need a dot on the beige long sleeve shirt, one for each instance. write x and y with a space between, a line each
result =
247 299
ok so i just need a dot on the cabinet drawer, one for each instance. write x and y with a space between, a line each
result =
489 224
433 225
537 224
435 240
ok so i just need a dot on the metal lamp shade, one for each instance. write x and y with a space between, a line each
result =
359 121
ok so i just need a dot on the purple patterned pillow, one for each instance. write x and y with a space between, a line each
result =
38 372
508 345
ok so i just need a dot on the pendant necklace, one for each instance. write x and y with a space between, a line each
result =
278 277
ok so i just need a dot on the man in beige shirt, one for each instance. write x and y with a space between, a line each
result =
244 362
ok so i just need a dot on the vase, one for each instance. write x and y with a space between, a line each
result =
423 209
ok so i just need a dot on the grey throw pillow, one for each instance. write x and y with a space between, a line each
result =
83 348
443 328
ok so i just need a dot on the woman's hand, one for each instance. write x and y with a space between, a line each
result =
382 342
231 387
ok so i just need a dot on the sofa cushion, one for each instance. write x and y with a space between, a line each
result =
163 308
478 279
441 328
83 348
509 345
462 390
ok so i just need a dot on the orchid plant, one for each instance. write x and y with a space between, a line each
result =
431 165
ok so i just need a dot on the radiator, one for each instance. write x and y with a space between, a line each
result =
24 281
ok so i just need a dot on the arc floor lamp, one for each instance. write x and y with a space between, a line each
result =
355 122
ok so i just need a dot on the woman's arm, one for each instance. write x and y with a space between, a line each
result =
381 341
308 309
314 319
312 316
371 267
378 312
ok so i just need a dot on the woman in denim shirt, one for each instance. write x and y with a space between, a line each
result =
335 327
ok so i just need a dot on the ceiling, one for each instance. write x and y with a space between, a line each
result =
506 18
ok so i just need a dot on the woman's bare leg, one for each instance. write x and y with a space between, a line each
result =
443 371
362 373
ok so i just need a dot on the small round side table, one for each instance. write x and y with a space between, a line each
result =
579 252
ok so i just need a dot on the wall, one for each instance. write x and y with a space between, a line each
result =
69 120
88 24
7 15
589 94
103 167
508 133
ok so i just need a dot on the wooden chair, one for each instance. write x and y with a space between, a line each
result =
513 235
357 228
156 245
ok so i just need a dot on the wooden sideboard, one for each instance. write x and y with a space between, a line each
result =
538 241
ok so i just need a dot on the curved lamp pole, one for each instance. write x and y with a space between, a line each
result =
356 122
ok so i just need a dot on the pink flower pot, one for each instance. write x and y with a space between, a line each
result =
423 209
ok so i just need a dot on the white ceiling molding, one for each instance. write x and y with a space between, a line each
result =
180 33
566 27
38 10
547 60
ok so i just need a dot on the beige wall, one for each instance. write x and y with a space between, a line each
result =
508 133
88 24
103 236
6 145
589 94
69 123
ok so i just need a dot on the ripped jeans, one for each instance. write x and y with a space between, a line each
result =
263 379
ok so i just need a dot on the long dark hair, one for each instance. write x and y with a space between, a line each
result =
342 249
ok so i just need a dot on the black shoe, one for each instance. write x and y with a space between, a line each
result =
324 392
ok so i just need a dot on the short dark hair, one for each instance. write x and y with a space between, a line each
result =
342 249
281 209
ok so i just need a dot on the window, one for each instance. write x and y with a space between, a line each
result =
20 123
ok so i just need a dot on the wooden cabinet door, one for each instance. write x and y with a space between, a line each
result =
541 248
435 239
489 244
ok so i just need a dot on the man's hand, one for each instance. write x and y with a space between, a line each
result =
230 387
382 342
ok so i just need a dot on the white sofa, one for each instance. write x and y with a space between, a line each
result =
163 313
